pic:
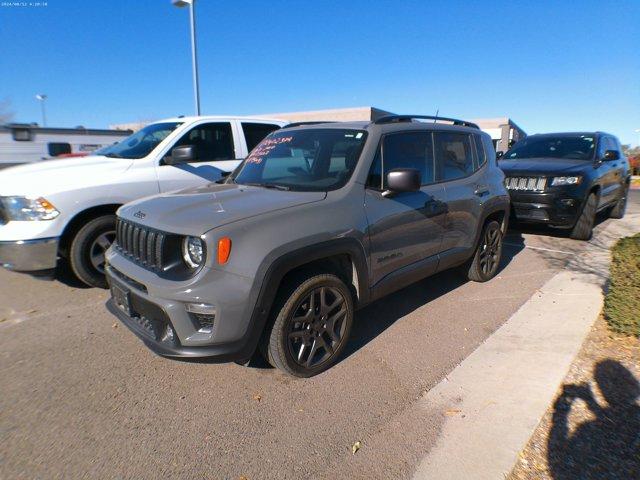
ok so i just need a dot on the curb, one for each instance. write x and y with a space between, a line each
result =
493 401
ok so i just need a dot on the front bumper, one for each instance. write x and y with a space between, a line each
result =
157 311
29 255
557 208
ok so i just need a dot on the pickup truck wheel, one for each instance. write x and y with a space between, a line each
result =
620 208
583 229
88 248
486 260
311 326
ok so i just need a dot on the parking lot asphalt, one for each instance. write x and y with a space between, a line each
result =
83 398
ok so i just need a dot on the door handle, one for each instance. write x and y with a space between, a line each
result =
481 190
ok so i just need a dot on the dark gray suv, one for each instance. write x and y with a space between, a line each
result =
316 222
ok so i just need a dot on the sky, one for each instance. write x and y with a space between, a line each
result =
549 66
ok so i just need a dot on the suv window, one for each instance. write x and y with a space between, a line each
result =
480 154
403 150
213 141
453 154
255 132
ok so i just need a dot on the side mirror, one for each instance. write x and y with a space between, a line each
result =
403 180
183 154
611 155
499 155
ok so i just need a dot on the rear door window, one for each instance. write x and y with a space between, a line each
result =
453 155
254 133
480 153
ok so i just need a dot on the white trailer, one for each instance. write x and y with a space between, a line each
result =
25 143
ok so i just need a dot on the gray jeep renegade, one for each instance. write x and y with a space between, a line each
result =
316 222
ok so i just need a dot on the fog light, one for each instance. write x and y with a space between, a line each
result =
568 202
203 316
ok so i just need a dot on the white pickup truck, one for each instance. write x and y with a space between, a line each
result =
66 208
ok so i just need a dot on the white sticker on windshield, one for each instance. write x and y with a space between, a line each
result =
359 135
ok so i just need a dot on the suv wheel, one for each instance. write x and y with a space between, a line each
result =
620 208
485 262
311 327
583 229
88 248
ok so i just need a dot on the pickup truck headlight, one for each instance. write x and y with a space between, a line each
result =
193 252
560 181
26 209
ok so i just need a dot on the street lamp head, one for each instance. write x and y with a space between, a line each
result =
182 3
41 96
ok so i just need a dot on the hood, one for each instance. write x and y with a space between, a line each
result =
58 175
544 166
198 210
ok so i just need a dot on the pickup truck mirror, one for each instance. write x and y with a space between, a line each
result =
403 180
182 154
611 155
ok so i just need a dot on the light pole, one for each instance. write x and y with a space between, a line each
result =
42 97
194 55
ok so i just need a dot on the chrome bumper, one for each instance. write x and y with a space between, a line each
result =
29 255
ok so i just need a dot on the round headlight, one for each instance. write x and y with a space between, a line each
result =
193 252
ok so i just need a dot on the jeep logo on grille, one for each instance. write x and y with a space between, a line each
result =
139 214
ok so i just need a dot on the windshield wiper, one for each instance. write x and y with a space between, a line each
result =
274 186
113 155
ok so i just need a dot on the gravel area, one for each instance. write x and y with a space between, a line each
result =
592 429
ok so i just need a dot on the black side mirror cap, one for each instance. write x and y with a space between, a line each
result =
403 180
183 154
611 155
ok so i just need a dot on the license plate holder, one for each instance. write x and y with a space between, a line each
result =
122 298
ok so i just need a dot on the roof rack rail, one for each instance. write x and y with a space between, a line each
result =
314 122
408 118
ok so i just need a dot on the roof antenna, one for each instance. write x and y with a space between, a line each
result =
435 119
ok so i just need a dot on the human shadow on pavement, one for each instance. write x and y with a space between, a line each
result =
607 446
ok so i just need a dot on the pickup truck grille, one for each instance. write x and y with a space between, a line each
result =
531 184
141 244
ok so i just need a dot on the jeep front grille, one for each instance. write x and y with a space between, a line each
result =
532 184
141 244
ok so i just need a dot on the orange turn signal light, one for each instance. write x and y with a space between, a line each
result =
224 250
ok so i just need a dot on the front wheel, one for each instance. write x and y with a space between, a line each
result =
311 327
620 208
583 229
486 260
88 248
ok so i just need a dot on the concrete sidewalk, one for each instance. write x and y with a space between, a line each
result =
494 399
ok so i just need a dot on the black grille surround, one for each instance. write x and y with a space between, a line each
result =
140 244
155 250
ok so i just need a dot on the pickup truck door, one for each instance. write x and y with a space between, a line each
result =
405 229
220 148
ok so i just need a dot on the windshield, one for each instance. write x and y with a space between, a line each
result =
141 143
306 160
580 147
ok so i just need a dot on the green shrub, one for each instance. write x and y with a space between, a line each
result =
622 303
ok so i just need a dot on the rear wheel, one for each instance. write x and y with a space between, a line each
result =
311 327
88 248
620 208
583 229
485 262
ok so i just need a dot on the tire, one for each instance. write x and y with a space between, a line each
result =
620 208
583 229
300 340
484 264
86 254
